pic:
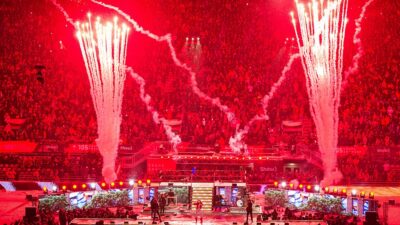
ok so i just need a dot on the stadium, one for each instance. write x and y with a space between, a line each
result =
271 112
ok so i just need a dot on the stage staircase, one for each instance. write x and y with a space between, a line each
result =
204 192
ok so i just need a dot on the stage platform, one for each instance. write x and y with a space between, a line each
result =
208 220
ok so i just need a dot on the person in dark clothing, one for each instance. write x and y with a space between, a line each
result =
249 210
155 209
163 202
62 217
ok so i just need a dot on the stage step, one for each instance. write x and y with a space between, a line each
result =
205 194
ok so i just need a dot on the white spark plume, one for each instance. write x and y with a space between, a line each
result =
173 138
103 47
167 38
321 40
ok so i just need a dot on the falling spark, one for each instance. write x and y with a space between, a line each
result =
103 47
236 142
322 32
357 42
173 138
167 38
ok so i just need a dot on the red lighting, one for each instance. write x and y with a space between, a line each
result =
344 191
74 186
335 190
64 187
291 185
276 183
362 194
308 187
84 185
148 181
140 182
121 183
45 189
371 195
103 184
112 184
301 186
327 189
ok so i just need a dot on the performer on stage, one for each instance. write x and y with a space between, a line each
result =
163 202
249 210
199 212
154 209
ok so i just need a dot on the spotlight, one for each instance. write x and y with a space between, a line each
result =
112 184
74 186
362 194
54 188
121 183
92 185
198 38
64 187
353 193
316 188
84 186
371 195
301 186
148 181
131 182
45 190
326 189
140 182
187 39
192 38
291 185
283 184
308 187
276 183
103 184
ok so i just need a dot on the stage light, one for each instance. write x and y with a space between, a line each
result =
316 188
327 189
344 191
362 194
92 185
301 186
103 184
283 184
74 186
198 38
84 186
64 187
291 185
335 190
121 183
187 38
308 187
131 182
140 182
276 183
371 195
45 189
54 188
148 181
112 184
353 192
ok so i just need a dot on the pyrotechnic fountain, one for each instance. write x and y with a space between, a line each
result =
322 32
103 47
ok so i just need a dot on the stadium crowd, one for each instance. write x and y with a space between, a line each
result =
239 59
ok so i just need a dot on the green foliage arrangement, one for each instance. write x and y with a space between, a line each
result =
276 198
53 203
110 199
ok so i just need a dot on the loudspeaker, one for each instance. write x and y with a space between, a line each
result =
371 216
30 212
392 202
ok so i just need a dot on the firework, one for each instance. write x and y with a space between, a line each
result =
167 38
322 31
173 138
236 142
103 46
